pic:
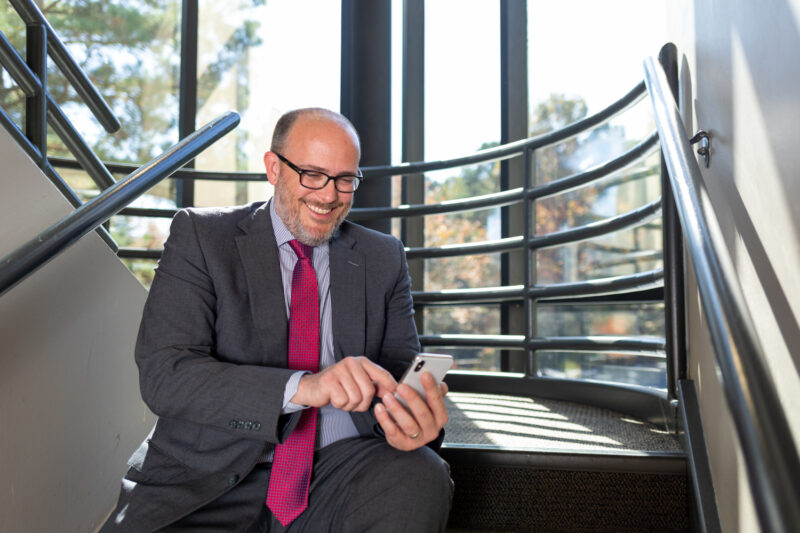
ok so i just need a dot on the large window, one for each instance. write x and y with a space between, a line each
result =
462 115
261 59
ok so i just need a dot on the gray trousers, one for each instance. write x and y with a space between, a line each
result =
357 485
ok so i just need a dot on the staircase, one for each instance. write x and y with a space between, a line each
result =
529 464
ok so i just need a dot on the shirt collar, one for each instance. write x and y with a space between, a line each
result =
282 233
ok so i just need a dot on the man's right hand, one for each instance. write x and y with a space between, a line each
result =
349 385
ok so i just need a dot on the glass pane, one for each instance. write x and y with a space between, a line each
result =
569 320
131 52
589 149
591 50
462 93
476 359
613 367
261 59
597 319
624 252
473 320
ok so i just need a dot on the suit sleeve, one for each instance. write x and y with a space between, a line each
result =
181 376
400 341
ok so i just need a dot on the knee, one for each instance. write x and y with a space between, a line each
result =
423 471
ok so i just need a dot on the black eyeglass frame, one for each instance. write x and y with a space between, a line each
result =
357 178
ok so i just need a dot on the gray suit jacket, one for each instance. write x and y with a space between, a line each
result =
212 351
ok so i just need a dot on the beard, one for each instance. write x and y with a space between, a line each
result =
288 209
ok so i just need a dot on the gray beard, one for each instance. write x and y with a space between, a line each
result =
295 227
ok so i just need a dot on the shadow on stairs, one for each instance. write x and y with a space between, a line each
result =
522 464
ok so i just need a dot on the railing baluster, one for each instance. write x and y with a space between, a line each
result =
36 105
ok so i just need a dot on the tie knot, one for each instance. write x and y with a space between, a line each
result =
303 251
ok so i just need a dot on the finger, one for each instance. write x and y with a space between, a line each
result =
394 435
363 382
419 410
336 392
435 399
381 377
352 390
407 423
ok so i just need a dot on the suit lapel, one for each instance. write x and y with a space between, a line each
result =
348 296
259 254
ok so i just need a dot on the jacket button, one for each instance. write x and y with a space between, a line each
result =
233 480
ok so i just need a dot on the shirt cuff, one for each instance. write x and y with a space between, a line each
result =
289 391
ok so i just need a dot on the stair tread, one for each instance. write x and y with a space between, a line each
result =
501 422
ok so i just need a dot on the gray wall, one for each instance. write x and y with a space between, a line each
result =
70 410
741 81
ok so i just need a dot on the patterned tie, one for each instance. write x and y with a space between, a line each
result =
287 495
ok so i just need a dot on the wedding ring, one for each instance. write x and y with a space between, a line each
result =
415 435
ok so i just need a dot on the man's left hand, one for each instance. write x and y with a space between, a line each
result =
412 428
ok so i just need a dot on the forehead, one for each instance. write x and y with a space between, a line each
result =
315 134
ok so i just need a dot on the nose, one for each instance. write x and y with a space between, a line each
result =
329 193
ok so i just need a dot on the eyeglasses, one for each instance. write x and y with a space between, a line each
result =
315 179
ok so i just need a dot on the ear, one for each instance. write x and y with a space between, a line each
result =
273 167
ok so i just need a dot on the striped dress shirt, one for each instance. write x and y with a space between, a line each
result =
333 424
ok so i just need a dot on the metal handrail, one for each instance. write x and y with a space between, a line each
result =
515 293
36 252
599 343
31 14
474 203
515 148
770 453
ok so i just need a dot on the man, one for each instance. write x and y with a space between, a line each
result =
240 296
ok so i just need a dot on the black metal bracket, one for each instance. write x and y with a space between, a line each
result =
703 137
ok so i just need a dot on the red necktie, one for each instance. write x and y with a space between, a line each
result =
287 495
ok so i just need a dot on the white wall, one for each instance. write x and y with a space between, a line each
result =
741 80
70 410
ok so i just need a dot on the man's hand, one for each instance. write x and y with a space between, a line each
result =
421 423
349 385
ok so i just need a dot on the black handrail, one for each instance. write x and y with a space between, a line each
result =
515 148
36 252
515 293
644 346
31 14
771 456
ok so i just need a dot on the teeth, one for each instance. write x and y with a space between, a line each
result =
319 210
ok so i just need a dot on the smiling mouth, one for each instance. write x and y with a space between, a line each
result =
320 210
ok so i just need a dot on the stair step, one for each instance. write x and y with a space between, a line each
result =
524 464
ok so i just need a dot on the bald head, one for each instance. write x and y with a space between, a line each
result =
280 135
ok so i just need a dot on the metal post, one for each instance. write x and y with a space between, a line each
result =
531 362
36 106
187 97
672 235
413 191
367 91
514 126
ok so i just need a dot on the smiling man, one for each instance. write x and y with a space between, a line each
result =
269 348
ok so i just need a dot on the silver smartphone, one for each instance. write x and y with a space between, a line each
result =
436 364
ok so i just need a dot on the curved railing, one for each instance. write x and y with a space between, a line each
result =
626 398
771 457
40 249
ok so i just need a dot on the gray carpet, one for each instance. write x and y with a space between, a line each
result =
519 423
